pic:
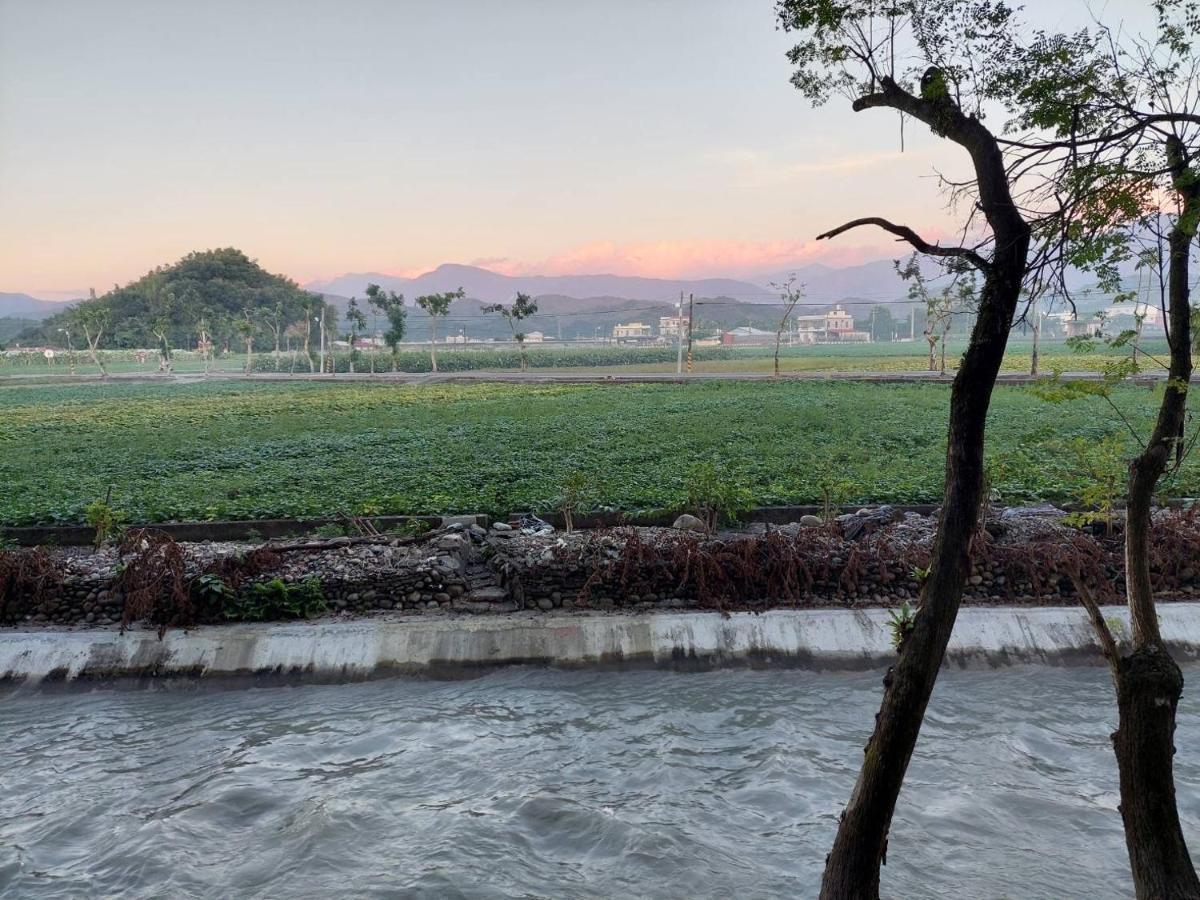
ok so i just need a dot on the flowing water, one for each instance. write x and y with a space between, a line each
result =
535 783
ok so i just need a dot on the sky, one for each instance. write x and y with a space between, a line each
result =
648 137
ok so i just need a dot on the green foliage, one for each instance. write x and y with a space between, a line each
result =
269 601
900 623
162 307
211 595
1098 479
269 450
104 519
391 305
578 489
522 308
718 495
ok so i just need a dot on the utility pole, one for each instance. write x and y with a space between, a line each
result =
912 323
679 335
1037 333
322 326
691 308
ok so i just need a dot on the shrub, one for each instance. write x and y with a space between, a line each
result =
268 601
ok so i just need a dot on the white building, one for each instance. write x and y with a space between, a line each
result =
634 331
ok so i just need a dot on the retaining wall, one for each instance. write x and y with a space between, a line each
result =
454 645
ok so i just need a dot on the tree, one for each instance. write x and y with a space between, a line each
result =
246 329
391 305
274 320
358 323
851 46
940 307
310 312
1126 127
92 320
162 307
882 324
437 306
790 295
522 308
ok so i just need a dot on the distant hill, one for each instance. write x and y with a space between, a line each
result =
492 287
216 285
25 307
11 326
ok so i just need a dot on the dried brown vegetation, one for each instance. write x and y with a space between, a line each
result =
27 577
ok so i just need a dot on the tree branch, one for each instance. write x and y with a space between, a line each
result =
907 234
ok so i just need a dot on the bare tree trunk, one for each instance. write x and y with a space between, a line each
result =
860 848
433 341
93 344
1148 681
932 349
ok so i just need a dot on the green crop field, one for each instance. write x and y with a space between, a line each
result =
252 450
912 356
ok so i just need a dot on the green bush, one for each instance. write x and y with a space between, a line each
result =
269 601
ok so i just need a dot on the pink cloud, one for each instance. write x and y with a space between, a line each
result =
698 258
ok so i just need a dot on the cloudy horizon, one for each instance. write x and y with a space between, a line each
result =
325 137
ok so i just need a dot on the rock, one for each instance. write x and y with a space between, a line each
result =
688 522
441 598
531 525
487 595
545 604
1041 510
451 542
501 527
811 521
976 579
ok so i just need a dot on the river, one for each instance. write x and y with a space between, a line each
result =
535 783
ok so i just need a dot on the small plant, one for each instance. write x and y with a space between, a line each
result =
717 496
276 599
919 573
1116 626
834 492
1101 468
330 530
104 519
210 594
576 491
254 536
900 622
410 528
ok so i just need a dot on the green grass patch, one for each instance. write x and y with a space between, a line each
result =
259 450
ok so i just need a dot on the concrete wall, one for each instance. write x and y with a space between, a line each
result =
453 645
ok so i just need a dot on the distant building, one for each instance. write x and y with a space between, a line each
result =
835 325
634 331
534 337
672 326
1111 321
747 337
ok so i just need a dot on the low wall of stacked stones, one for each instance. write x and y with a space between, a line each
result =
867 559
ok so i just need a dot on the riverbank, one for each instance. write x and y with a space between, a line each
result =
454 645
875 557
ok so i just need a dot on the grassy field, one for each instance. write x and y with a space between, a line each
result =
883 357
252 450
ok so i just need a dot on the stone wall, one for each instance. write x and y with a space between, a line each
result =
867 559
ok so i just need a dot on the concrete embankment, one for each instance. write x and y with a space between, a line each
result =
354 649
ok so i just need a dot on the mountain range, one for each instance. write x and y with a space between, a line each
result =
23 306
871 282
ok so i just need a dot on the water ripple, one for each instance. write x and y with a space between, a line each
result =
531 783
